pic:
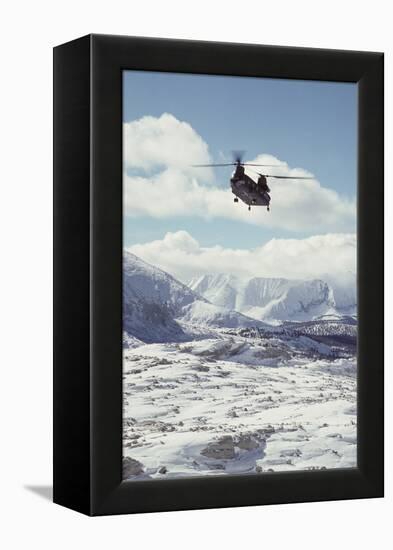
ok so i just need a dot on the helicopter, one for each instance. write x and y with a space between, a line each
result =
252 193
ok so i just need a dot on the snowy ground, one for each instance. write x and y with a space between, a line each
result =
234 404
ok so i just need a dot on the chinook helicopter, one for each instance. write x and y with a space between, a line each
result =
252 193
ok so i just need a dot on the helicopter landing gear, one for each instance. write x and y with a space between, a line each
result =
235 199
268 208
249 208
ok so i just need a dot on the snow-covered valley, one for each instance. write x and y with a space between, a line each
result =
208 390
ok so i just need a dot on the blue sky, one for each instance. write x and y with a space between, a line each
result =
312 125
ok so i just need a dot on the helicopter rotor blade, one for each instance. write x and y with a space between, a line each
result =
287 177
209 165
231 164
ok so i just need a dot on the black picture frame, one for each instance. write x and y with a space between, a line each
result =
88 274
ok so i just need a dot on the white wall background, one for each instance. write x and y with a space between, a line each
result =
28 32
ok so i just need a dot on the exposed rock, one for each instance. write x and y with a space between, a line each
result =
247 443
224 448
131 467
202 368
291 452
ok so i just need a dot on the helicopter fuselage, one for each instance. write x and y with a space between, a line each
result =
247 190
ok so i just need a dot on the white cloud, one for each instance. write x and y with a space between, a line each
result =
164 142
330 256
166 148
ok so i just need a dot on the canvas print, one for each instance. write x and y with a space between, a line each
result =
239 275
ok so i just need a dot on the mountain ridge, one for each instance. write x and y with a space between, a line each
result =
276 299
159 308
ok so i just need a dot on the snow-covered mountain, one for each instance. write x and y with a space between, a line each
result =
276 299
206 314
159 308
151 299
